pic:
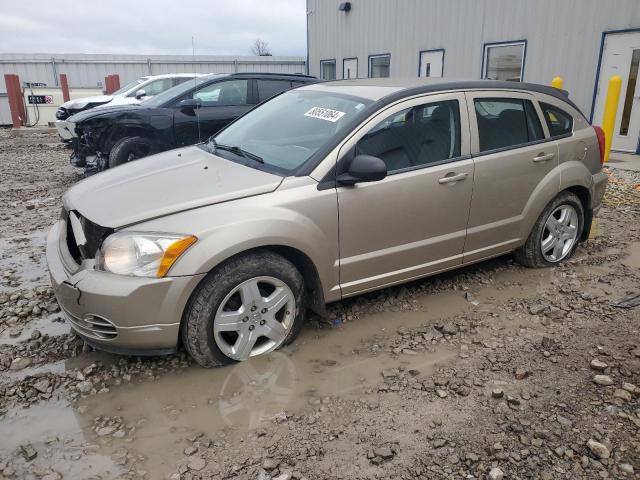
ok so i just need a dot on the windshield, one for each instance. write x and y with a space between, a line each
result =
287 130
168 95
127 87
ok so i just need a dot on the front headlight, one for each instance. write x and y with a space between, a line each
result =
142 254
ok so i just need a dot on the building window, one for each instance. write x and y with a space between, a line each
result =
328 69
504 61
379 66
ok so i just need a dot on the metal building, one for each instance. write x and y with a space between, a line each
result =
583 41
89 70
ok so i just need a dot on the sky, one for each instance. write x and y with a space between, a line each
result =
220 27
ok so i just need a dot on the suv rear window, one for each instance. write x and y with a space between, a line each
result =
559 122
506 122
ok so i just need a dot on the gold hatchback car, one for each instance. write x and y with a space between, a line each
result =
323 192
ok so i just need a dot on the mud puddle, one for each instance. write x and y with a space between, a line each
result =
239 399
24 257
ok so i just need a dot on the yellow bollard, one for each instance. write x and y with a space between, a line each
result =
610 111
557 82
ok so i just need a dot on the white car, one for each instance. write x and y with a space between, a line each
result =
133 92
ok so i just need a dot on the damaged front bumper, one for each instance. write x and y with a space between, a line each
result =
116 313
86 154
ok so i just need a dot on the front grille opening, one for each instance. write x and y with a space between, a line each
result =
71 243
94 233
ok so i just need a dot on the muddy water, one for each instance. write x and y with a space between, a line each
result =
234 401
16 254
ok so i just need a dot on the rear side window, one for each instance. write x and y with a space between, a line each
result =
559 122
506 122
269 88
417 136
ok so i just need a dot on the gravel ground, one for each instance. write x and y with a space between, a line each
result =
494 371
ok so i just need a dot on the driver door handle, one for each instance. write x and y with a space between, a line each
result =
543 157
452 178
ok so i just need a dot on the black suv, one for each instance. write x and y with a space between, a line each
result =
183 115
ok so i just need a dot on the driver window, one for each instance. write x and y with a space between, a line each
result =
417 136
233 92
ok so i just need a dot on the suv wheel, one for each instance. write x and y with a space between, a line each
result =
556 233
249 306
130 148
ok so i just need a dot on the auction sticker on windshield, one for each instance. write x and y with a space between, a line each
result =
325 114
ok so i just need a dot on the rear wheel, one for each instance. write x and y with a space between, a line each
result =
249 306
130 148
556 233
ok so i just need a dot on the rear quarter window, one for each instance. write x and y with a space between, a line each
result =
560 122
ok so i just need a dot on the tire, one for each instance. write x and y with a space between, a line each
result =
130 148
531 254
204 331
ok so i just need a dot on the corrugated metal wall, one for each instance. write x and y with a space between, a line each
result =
88 70
563 36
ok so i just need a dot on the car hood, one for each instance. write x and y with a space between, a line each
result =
163 184
77 103
103 110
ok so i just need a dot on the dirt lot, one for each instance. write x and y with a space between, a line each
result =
494 371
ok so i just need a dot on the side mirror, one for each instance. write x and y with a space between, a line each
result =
189 104
363 168
140 93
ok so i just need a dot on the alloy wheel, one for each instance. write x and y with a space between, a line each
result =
560 233
254 318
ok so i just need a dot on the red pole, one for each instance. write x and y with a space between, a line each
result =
116 82
65 87
16 102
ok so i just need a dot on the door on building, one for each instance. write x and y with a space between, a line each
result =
431 63
621 56
349 68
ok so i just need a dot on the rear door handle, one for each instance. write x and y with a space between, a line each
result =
453 178
543 157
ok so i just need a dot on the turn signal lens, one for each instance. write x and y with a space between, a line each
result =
172 253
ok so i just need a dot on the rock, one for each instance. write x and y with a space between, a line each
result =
449 329
496 474
497 393
104 431
383 452
598 449
283 476
537 308
598 365
28 452
20 363
42 385
15 332
390 373
270 464
190 450
197 463
604 380
84 387
629 387
622 394
626 468
522 373
52 476
441 393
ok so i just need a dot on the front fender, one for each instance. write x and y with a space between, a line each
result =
309 226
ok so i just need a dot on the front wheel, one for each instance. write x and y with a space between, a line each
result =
248 306
555 234
130 148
